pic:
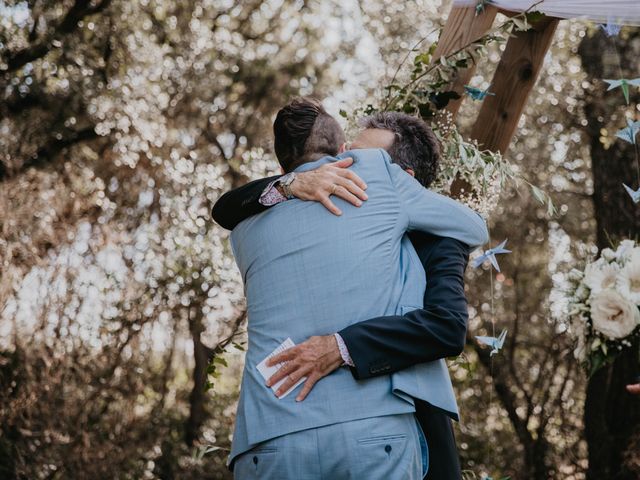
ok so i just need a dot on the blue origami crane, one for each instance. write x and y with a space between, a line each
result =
495 343
480 6
611 29
624 84
491 256
476 93
629 133
634 194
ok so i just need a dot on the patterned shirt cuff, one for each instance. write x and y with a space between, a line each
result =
344 351
271 196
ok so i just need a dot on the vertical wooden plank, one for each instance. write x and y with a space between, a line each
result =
514 78
463 26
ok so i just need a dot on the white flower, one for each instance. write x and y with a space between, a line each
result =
608 254
628 282
624 250
600 276
613 315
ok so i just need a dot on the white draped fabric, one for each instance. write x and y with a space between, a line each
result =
621 12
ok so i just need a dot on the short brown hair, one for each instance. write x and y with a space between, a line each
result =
303 131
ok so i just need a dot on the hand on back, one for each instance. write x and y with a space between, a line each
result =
330 179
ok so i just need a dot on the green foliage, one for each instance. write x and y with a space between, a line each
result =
482 173
213 372
424 93
200 452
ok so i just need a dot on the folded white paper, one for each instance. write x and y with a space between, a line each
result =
268 372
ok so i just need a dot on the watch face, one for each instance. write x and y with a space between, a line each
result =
286 182
287 179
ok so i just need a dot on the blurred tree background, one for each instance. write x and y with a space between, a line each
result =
122 122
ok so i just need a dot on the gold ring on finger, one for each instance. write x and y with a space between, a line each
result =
333 189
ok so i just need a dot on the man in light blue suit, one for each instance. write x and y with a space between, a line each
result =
307 273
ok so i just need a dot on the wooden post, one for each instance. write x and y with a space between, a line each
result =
512 82
463 27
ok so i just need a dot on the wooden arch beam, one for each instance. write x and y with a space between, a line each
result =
514 78
463 26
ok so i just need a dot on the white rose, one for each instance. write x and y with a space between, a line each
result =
628 281
600 276
613 315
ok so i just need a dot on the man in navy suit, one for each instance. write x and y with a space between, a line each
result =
383 345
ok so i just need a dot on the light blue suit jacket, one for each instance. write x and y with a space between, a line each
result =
307 272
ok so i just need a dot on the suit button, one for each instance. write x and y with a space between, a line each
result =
255 460
387 448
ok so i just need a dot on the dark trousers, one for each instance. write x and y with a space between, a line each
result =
444 463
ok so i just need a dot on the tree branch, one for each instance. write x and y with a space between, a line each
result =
506 396
79 10
51 149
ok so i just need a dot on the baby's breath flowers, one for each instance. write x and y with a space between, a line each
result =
476 177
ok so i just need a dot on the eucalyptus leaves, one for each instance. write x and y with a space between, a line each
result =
426 91
473 175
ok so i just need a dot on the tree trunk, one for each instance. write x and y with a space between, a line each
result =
536 449
612 415
197 412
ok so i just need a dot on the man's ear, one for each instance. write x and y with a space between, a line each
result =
343 148
410 172
282 172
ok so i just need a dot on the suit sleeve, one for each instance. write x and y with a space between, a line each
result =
385 345
241 203
436 214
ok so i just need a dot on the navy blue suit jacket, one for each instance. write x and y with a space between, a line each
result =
384 345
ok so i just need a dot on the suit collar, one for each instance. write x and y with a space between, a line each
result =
305 167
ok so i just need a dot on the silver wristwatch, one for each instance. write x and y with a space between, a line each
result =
285 182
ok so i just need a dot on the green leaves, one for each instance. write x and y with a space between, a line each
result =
533 17
476 176
544 198
423 58
212 371
426 90
200 452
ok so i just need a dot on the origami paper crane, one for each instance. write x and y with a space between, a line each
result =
491 256
624 84
476 93
480 6
495 343
629 133
611 29
634 194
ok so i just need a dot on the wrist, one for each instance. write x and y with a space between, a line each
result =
284 185
280 190
343 352
336 354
